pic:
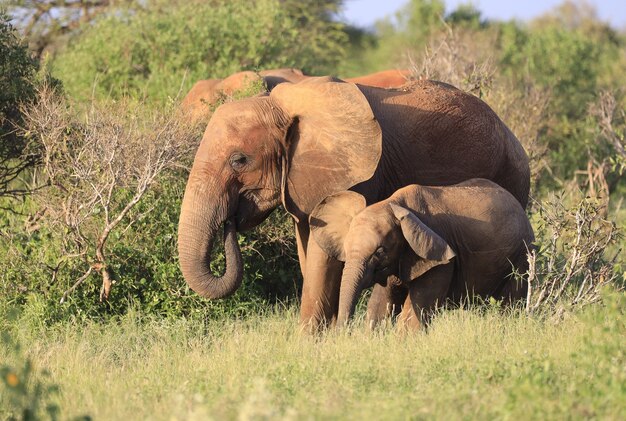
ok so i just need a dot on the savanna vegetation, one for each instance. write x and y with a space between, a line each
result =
96 319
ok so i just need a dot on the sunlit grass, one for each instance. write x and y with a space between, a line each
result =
472 364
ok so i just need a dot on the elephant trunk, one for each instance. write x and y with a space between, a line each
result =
196 231
353 279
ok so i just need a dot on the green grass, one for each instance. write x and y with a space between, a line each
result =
472 364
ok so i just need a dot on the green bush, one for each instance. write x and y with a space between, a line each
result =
115 219
18 73
144 263
568 63
160 51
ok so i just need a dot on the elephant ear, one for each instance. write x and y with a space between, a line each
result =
334 141
330 221
429 249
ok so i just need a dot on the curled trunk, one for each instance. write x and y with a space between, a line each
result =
196 231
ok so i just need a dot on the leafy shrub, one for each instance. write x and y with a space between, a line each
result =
161 50
18 73
99 167
110 214
576 257
144 265
569 64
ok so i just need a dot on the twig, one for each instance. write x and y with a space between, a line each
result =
76 284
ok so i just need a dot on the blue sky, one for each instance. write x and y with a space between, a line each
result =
365 12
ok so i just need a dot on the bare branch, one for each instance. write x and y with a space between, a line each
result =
571 268
605 111
76 285
100 166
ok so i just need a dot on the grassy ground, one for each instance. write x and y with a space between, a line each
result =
478 364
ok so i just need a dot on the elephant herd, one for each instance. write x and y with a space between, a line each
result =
413 187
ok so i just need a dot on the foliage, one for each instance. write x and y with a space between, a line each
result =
18 74
466 15
99 168
408 29
418 19
47 23
27 392
161 50
143 263
572 265
577 61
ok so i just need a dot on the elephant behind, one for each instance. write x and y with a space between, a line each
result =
205 93
305 141
392 78
443 243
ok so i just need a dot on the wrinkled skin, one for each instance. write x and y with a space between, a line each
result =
306 141
444 243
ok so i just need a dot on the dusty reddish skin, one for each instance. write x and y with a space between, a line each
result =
475 228
205 93
386 79
202 93
308 140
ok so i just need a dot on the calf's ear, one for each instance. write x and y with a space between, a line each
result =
429 248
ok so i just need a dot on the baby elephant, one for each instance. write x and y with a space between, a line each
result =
446 242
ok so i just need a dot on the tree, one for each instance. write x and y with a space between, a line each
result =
18 71
45 22
161 50
99 168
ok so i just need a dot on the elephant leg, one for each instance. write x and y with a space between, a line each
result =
302 237
385 302
320 290
425 294
408 320
512 290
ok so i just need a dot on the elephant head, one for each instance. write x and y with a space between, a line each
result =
206 93
296 145
374 242
274 77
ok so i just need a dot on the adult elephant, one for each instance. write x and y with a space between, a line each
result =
305 141
392 78
205 93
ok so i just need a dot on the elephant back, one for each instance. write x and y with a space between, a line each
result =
436 134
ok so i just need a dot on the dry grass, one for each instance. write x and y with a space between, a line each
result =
473 364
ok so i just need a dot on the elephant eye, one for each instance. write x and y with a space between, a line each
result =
238 161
